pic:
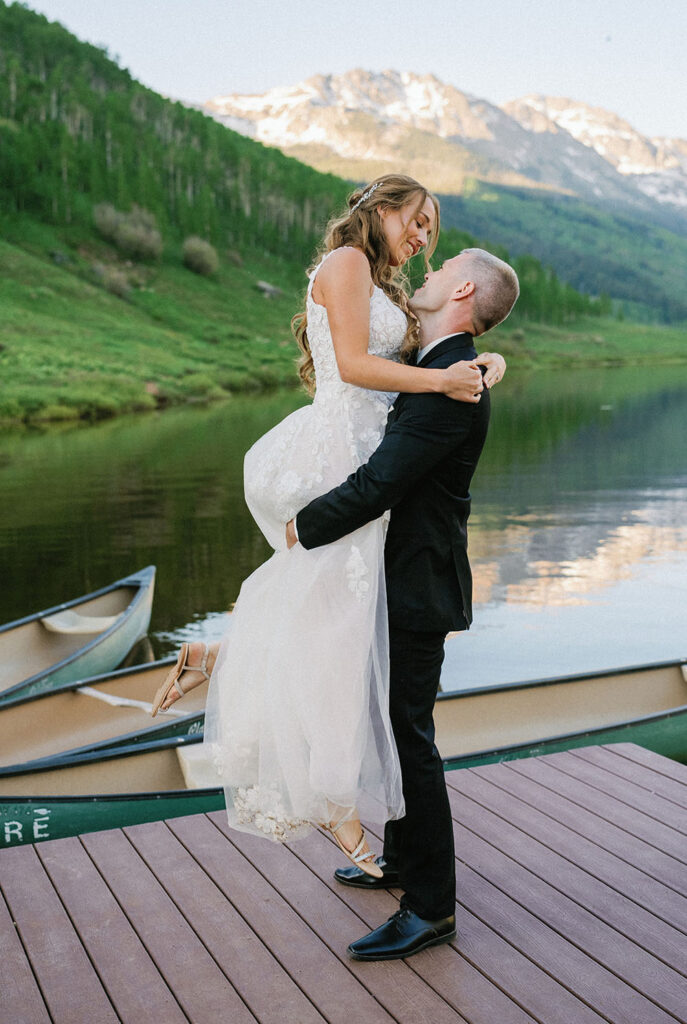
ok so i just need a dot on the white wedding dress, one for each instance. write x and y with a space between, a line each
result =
297 724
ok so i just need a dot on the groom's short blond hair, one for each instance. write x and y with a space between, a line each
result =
496 289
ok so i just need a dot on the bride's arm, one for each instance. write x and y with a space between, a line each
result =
343 285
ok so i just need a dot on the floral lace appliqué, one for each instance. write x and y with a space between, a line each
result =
357 573
264 809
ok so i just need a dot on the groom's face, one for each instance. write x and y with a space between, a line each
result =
441 285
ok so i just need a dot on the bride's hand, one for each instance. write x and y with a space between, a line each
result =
463 381
496 367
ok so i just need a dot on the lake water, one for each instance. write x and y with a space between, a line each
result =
578 538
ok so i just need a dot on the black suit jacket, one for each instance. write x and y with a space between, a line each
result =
421 471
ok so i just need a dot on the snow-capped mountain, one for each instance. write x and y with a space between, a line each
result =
656 166
362 123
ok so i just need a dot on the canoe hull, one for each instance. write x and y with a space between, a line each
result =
40 818
643 704
665 734
99 655
30 818
77 718
37 819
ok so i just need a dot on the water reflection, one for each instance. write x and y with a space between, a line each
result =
581 491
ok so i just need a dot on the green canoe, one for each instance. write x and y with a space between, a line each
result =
99 790
643 704
80 638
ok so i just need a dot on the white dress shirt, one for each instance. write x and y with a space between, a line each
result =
422 352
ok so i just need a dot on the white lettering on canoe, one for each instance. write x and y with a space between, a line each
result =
13 829
40 827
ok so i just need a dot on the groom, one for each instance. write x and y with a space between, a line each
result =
421 471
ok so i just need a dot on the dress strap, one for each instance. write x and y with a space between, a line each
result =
313 273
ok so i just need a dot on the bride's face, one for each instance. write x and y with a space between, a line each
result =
407 229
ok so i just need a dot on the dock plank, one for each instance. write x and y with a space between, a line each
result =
626 819
592 984
52 945
447 970
397 987
202 990
570 910
266 988
642 775
328 983
624 790
663 765
598 921
511 987
584 839
22 1002
616 873
115 950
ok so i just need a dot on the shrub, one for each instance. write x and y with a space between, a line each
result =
115 281
200 256
134 233
106 220
138 241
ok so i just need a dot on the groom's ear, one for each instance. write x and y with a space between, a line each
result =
464 291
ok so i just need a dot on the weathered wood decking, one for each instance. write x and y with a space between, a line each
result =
571 909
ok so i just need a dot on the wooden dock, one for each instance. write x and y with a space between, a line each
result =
571 909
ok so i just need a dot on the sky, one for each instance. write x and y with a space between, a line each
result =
622 55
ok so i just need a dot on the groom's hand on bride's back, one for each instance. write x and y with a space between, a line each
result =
291 537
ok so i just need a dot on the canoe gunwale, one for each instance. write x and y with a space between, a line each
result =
552 680
88 681
143 580
59 761
89 798
128 741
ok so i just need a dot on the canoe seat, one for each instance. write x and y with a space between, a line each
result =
198 771
69 621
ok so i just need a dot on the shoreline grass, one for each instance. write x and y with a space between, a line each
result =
71 350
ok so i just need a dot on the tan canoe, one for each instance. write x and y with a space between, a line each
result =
111 709
83 637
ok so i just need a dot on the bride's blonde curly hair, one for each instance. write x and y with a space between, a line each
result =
361 227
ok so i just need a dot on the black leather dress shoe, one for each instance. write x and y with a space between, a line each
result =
402 935
360 880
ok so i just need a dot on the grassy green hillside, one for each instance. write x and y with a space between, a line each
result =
69 349
633 261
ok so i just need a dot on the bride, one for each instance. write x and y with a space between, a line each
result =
297 726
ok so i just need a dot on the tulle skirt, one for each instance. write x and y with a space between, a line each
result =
297 724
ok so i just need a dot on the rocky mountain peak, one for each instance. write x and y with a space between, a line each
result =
381 117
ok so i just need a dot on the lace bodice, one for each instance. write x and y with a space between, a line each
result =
387 330
317 447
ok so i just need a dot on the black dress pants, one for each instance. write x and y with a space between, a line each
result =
420 845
